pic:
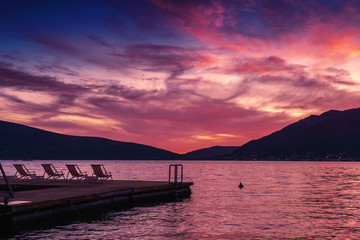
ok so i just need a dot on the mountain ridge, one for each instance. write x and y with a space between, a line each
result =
209 153
332 134
23 142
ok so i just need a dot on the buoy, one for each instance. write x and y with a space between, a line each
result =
240 185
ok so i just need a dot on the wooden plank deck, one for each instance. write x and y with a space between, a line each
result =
36 200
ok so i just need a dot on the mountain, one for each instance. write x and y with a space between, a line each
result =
333 134
23 142
209 153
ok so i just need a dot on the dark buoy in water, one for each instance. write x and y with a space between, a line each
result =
240 185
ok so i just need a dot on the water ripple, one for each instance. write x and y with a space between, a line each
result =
280 200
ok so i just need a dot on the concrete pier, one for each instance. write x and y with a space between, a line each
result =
45 201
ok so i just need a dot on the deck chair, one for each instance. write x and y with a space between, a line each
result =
23 172
51 172
75 172
100 172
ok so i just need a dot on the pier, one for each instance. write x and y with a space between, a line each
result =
40 202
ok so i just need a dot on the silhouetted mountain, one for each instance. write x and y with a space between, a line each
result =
209 153
22 142
333 134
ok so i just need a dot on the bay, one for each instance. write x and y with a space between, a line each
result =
280 200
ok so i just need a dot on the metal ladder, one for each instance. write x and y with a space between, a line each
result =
7 194
173 168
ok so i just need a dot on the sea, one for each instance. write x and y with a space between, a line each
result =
279 200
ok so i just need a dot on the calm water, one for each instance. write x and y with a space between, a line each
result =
280 200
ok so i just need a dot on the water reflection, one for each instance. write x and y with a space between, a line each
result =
279 200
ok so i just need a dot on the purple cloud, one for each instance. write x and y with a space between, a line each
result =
100 41
10 77
58 44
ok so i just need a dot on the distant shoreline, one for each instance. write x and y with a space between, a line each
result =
189 160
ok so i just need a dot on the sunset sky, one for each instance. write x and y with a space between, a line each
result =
178 75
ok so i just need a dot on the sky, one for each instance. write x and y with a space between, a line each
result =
178 75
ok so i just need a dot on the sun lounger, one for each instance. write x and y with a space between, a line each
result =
75 172
23 173
51 172
100 172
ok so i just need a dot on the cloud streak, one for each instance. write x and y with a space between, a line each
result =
10 77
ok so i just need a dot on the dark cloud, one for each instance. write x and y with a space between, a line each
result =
260 19
66 99
323 99
149 58
141 21
274 69
339 76
294 17
158 58
128 93
11 98
64 94
6 64
101 41
56 68
10 57
59 44
265 65
10 77
29 108
186 10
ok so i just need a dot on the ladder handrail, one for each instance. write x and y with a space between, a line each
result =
10 193
175 166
